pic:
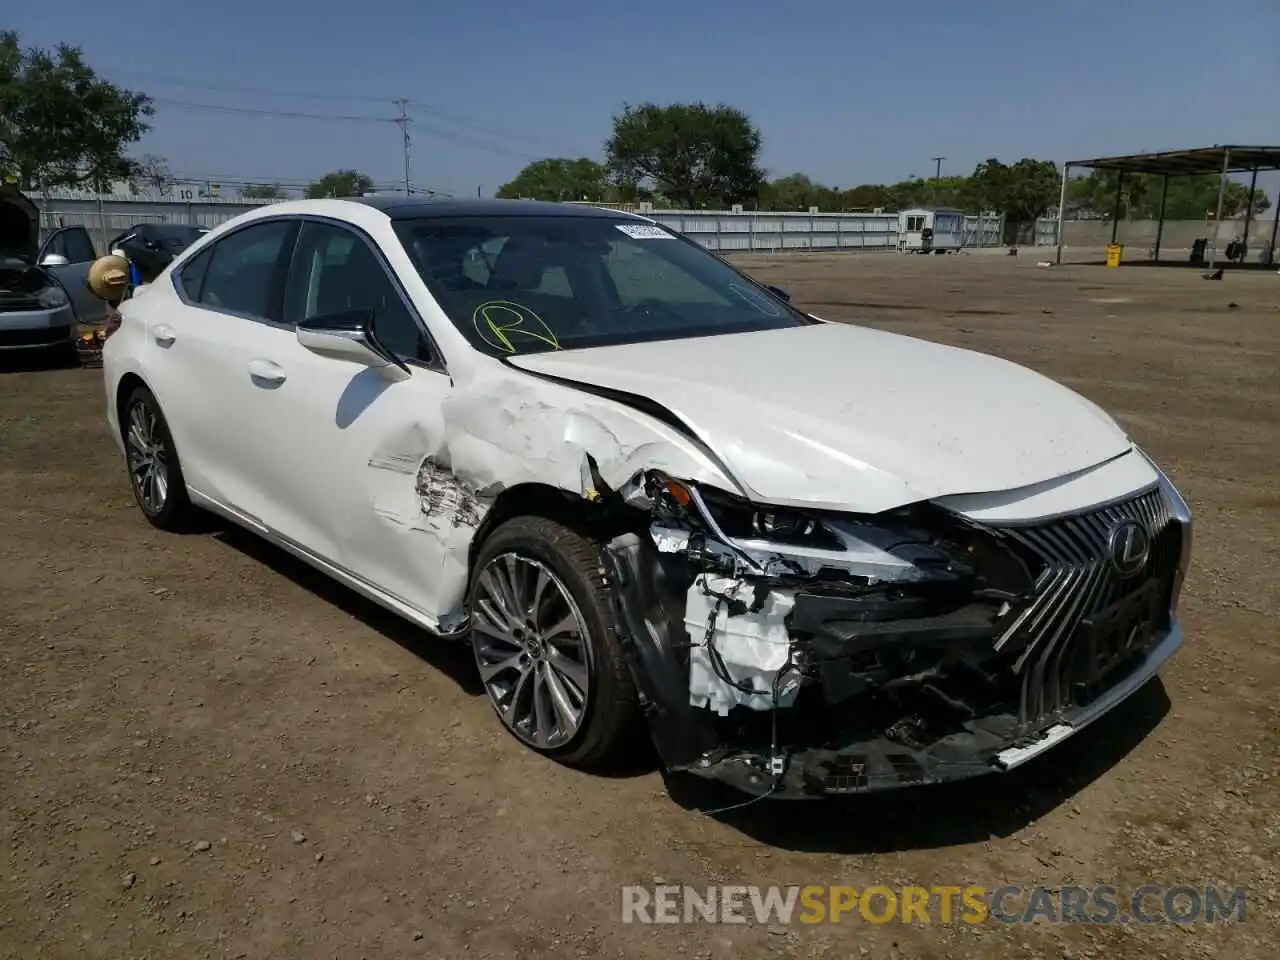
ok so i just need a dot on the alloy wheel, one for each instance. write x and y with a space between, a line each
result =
148 458
532 650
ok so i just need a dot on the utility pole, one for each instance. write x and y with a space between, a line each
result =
937 161
403 123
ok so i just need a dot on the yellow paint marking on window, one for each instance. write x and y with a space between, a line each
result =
497 321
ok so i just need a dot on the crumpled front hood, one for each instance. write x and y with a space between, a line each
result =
850 418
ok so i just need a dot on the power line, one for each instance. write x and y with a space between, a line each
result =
457 118
429 129
274 114
482 126
172 81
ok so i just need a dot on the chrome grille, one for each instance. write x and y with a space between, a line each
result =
1074 579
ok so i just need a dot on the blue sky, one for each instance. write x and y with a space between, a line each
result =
849 92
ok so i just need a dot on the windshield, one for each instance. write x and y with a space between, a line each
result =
533 284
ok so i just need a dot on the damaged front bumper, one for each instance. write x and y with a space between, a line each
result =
827 771
786 671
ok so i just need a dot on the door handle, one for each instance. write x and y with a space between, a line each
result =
164 335
267 372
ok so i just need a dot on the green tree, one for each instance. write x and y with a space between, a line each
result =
263 191
867 196
691 153
60 124
951 191
559 178
1189 198
797 192
341 183
1023 192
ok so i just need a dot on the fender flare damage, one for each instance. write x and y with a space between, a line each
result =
864 653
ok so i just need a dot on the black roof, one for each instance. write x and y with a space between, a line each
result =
1236 158
414 208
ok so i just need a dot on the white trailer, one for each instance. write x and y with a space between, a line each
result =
930 231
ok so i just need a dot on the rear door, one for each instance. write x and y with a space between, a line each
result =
75 244
222 311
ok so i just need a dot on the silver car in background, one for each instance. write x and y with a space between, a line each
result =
43 286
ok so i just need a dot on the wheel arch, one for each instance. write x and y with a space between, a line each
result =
596 521
124 390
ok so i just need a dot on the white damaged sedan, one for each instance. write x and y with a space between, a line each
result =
812 558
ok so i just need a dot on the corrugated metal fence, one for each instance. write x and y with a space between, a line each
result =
729 232
723 231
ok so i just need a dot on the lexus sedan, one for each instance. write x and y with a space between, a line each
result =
807 558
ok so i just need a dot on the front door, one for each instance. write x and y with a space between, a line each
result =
75 246
345 453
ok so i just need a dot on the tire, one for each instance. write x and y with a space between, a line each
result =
568 565
172 512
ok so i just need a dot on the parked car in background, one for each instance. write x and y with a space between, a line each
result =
815 558
151 247
43 288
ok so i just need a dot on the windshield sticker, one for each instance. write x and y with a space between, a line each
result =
499 322
756 299
644 231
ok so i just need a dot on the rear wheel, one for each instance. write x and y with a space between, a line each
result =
155 475
542 629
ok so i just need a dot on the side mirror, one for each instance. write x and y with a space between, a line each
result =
778 292
54 260
348 335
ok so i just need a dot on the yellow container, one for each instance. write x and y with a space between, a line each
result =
1114 250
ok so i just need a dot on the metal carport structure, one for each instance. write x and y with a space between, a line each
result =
1223 160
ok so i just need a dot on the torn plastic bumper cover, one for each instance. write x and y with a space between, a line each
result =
810 656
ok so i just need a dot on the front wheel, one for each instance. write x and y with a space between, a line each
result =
542 628
155 475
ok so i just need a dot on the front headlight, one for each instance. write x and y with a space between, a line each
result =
913 544
774 539
50 298
743 520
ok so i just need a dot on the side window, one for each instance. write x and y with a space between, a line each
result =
192 274
79 247
73 243
334 271
241 274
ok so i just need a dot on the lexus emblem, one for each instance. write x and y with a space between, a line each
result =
1128 546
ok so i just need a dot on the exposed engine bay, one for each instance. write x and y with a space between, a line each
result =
795 654
24 286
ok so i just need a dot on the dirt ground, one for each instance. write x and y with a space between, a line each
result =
207 750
